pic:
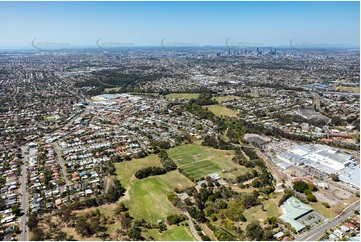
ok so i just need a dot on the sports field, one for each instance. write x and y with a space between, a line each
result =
182 95
219 110
198 161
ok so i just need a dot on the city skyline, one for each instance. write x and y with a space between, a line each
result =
179 24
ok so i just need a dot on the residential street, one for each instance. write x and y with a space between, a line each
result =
317 232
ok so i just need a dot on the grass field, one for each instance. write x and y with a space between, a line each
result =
225 98
182 95
200 161
148 197
219 110
174 233
127 169
348 89
271 209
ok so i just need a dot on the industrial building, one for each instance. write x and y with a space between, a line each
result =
293 211
325 159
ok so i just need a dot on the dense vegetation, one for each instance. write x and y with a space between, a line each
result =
150 171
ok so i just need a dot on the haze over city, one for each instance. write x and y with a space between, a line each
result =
204 23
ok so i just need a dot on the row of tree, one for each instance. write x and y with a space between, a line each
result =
149 171
166 161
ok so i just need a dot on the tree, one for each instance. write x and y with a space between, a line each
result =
120 208
61 236
38 234
33 221
310 197
66 214
267 234
135 233
16 209
116 158
114 192
83 227
326 204
335 177
254 231
300 186
48 176
176 219
126 221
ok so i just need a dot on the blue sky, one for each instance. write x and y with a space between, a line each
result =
198 23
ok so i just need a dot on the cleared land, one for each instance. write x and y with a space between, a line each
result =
225 98
182 95
333 211
219 110
198 161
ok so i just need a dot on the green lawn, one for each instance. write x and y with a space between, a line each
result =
182 95
127 169
200 161
148 197
225 98
219 110
174 233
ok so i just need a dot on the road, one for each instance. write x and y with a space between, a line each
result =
193 230
61 163
24 195
317 232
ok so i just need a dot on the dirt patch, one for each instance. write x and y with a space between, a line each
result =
341 195
125 197
324 196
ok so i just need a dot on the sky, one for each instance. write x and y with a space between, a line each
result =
179 23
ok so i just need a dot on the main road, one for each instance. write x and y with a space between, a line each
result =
317 232
24 194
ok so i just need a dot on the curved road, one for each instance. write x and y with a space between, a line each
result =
193 230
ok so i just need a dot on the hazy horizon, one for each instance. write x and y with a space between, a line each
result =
179 24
